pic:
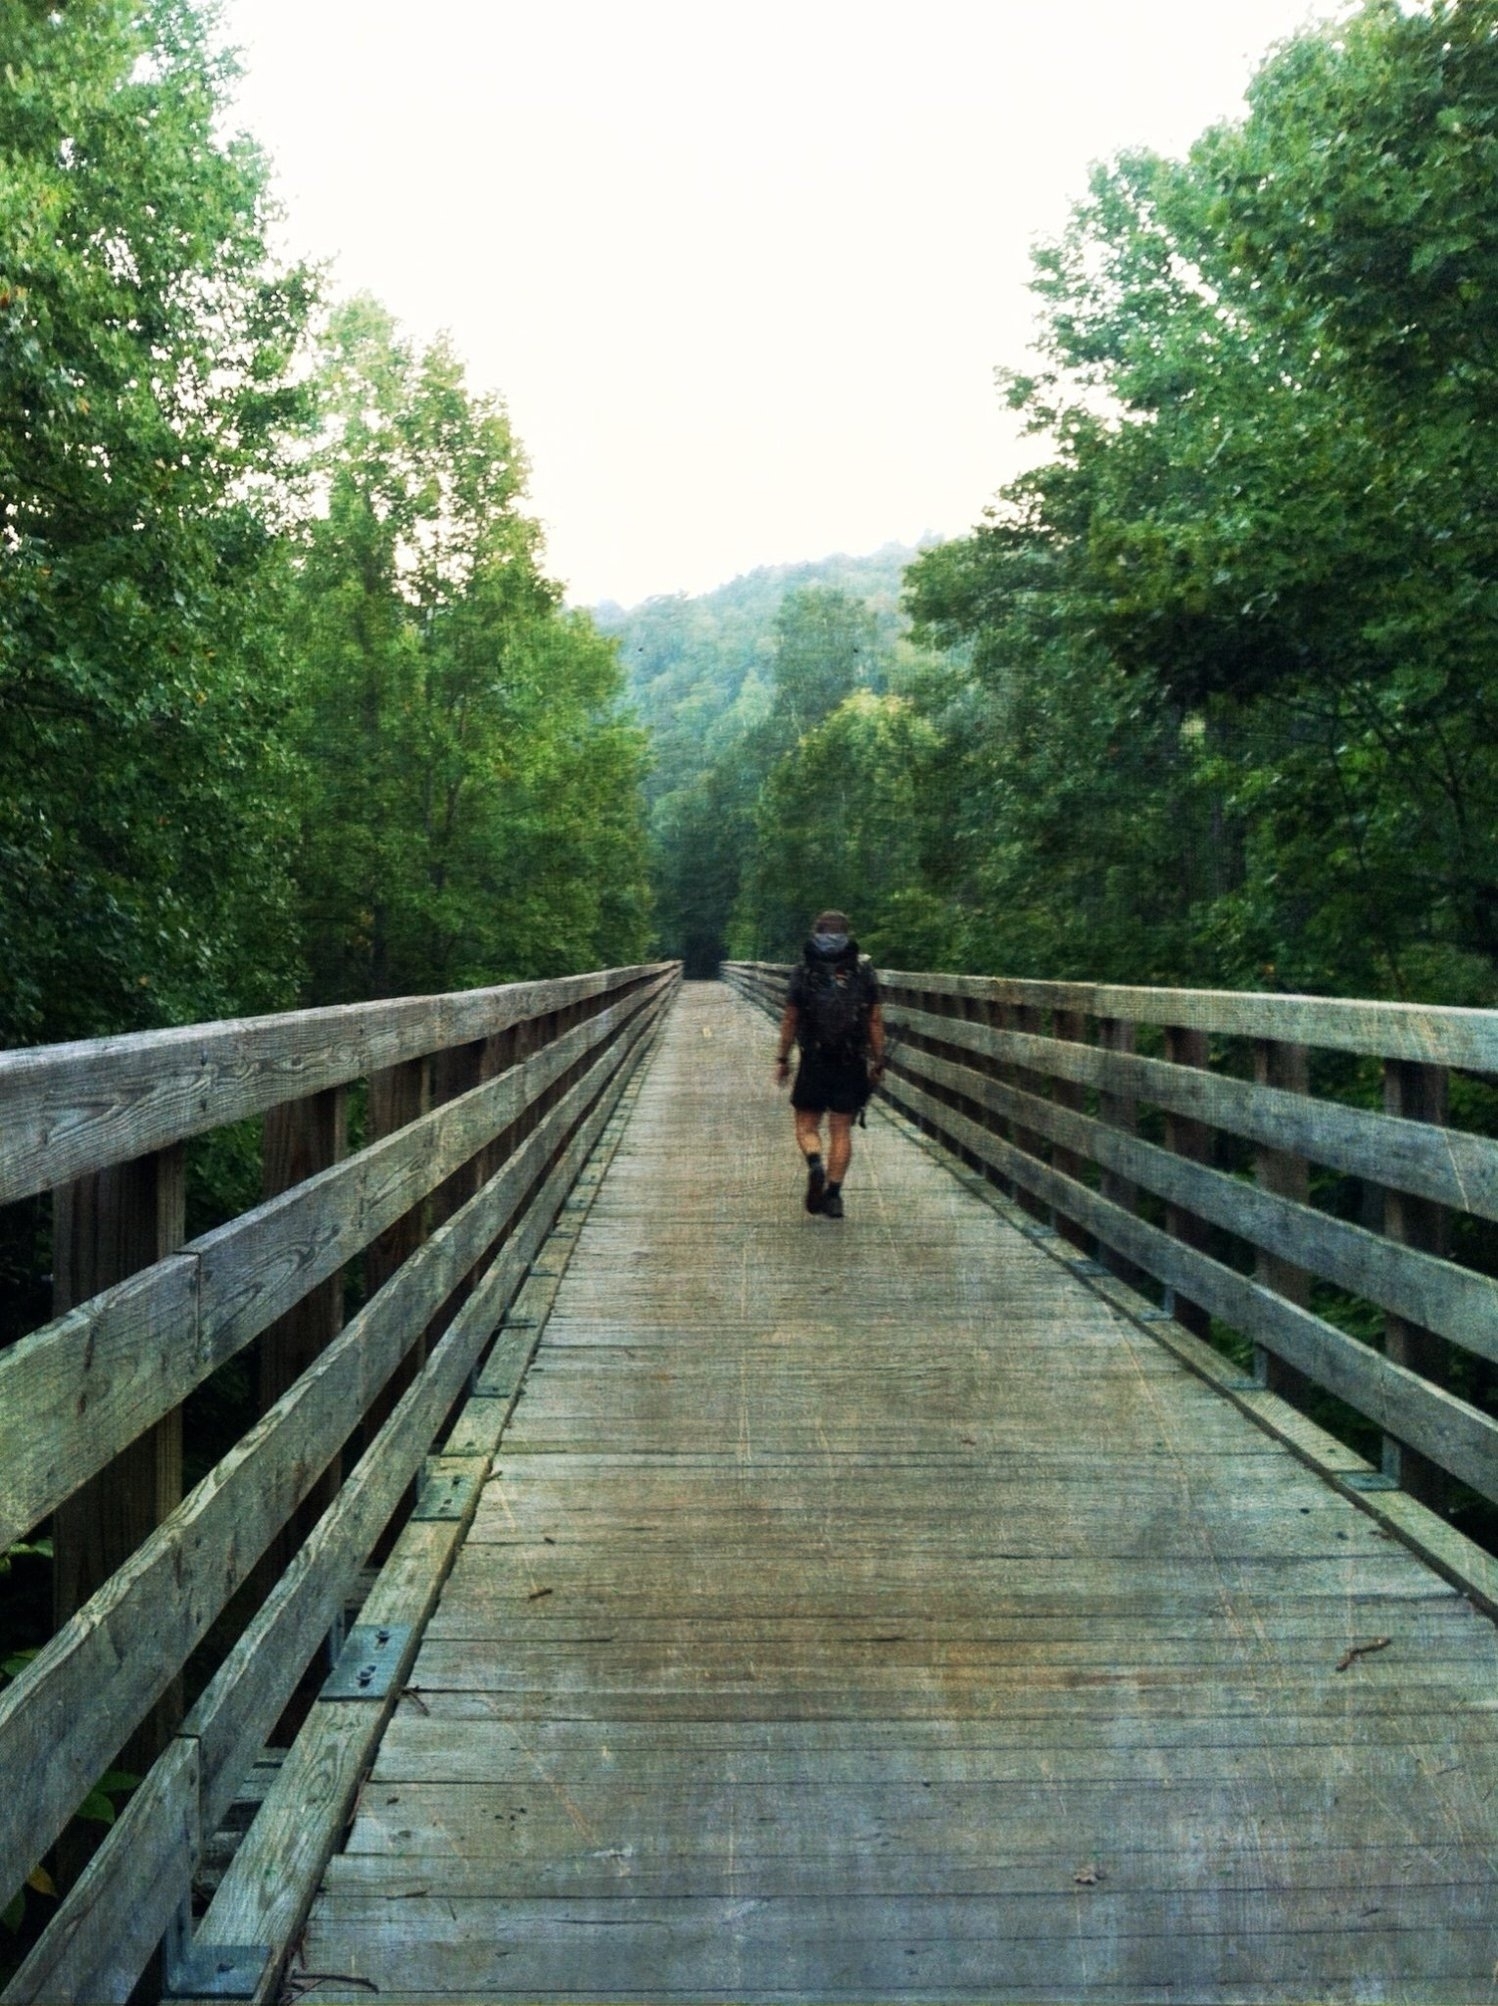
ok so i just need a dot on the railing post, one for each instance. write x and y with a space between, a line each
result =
1026 1018
1418 1093
1120 1111
105 1227
1287 1067
1072 1026
398 1095
456 1071
301 1138
1192 1139
970 1010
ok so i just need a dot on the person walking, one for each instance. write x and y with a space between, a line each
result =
833 1013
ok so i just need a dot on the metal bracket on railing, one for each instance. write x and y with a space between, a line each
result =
447 1494
367 1666
209 1970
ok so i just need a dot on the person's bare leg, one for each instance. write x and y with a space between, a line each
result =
809 1131
839 1147
809 1142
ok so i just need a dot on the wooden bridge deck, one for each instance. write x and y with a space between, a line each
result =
866 1610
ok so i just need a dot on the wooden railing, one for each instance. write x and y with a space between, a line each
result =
480 1110
1188 1169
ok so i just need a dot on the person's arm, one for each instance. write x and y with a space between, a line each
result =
876 1038
790 1019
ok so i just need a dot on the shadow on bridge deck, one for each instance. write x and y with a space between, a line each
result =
867 1610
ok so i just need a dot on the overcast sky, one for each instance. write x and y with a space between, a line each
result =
741 272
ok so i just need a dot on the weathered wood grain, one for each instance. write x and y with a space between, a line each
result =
1429 1033
105 1228
1446 1165
243 1700
76 1392
1438 1294
108 1664
267 1889
1069 1945
117 1912
69 1109
854 1603
1451 1432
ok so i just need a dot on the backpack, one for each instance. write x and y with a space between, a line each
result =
836 1006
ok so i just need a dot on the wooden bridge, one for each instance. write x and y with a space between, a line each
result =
633 1587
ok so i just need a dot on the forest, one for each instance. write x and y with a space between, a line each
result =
290 712
1207 696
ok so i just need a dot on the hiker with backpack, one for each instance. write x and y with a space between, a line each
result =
832 1012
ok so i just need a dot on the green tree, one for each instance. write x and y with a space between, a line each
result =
844 819
826 646
1267 376
472 809
147 405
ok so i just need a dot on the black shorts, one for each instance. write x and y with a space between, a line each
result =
827 1083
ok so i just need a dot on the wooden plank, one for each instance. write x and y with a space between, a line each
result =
1190 1139
1427 1033
426 1745
1022 1948
265 1893
658 1870
244 1698
113 1917
302 1138
845 1591
86 1385
1455 1301
1454 1168
1070 1025
1287 1175
1419 1093
110 1663
67 1110
1014 1810
1452 1433
105 1365
105 1228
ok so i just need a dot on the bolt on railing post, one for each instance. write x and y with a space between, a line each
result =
1419 1093
1287 1067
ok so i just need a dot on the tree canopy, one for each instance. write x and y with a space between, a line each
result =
289 709
148 409
1251 591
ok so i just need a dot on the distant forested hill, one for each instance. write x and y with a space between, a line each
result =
700 670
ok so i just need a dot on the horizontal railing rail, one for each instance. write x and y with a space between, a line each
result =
1040 1085
481 1109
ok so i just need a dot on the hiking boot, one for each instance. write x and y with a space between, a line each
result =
832 1205
816 1184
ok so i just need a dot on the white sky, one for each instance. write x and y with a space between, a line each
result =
741 273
